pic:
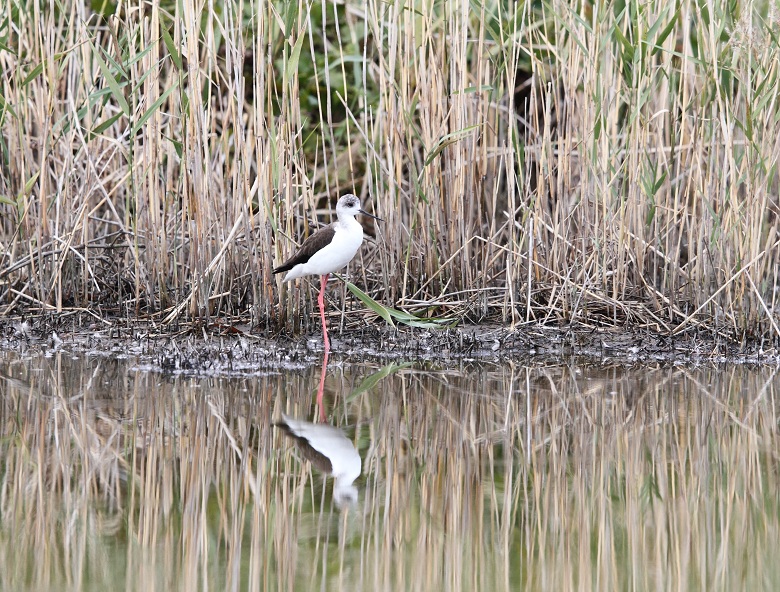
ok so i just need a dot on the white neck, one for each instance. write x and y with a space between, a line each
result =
346 220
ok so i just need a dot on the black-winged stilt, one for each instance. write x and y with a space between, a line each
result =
330 451
328 250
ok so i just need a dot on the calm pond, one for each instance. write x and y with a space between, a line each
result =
473 477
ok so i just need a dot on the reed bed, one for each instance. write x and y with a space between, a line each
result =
550 161
489 478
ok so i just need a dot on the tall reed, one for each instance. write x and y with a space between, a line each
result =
534 162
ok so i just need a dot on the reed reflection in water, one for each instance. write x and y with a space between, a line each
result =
477 477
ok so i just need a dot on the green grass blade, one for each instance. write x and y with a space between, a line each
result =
388 313
29 184
4 106
371 303
171 46
116 89
295 56
34 73
163 97
445 141
101 127
372 380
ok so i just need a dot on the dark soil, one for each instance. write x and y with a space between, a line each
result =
235 349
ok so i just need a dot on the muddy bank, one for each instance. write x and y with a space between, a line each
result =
235 349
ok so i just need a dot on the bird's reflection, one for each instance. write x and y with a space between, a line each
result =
330 451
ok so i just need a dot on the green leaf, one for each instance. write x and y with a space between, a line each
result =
371 303
372 380
138 124
488 21
34 73
445 141
175 56
38 70
292 64
30 182
116 90
4 106
659 182
666 32
103 94
139 85
628 49
388 313
177 145
101 127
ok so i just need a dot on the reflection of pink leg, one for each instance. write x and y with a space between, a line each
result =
321 302
321 388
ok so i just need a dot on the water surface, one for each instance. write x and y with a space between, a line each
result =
474 477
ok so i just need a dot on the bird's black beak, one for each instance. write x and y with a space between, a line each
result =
371 215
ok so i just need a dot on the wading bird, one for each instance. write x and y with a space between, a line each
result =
328 250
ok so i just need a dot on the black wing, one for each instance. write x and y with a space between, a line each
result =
319 460
311 245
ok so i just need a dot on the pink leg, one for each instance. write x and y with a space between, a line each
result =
321 388
321 302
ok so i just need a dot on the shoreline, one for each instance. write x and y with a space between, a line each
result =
238 350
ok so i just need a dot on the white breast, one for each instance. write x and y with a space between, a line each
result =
340 251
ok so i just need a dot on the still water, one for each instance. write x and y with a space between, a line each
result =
473 477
